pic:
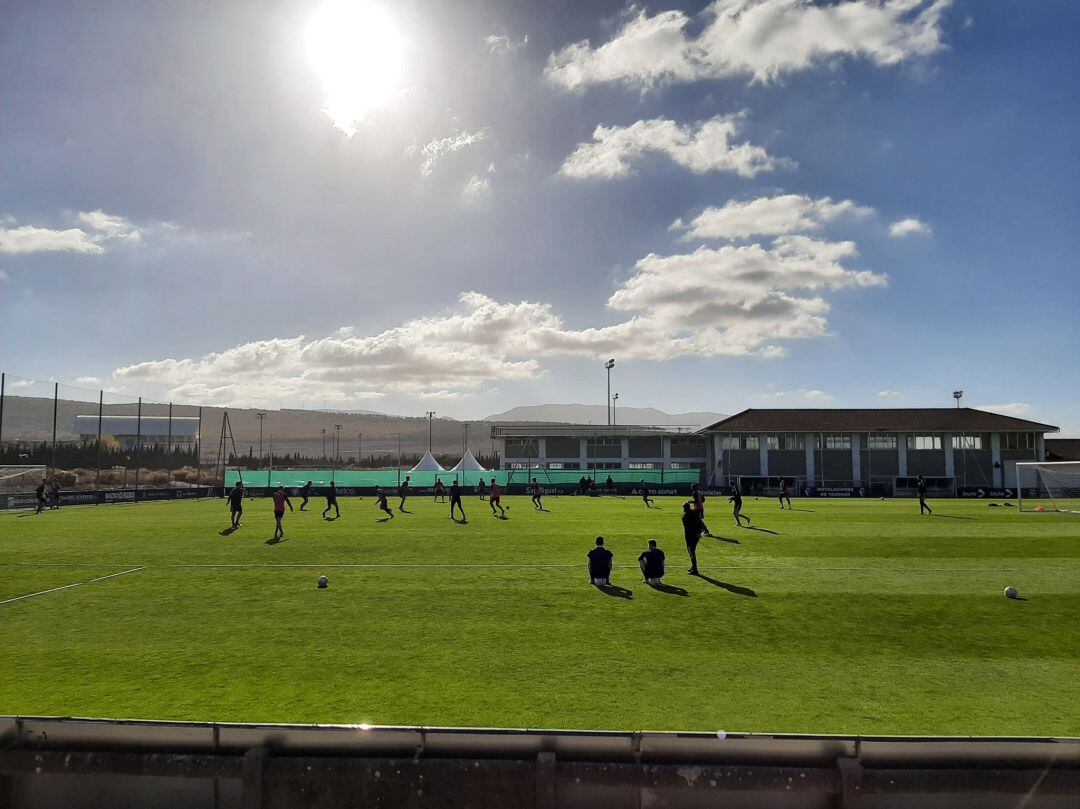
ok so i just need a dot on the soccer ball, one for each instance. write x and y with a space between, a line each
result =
323 582
1011 592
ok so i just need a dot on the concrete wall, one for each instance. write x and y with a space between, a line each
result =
929 462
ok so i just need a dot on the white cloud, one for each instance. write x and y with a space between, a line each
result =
701 147
889 394
31 239
809 394
732 301
759 39
111 226
87 380
439 148
908 227
476 190
1011 409
504 45
769 216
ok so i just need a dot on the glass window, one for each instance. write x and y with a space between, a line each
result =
1017 441
772 442
924 442
729 442
881 441
967 442
641 465
837 441
793 441
750 442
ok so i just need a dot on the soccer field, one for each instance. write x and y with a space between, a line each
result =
854 616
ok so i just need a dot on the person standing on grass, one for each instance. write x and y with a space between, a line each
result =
331 501
736 503
495 499
55 493
537 494
600 564
236 503
610 486
39 493
692 529
403 493
784 495
280 501
481 488
440 494
380 501
645 495
698 500
455 500
305 492
651 563
920 487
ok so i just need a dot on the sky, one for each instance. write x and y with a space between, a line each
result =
466 206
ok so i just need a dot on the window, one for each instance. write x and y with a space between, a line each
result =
642 465
967 442
750 442
554 466
793 441
924 442
1018 441
729 442
881 441
837 441
772 442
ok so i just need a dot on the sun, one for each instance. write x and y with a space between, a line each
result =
357 52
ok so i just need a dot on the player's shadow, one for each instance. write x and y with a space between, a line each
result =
952 517
670 589
228 532
803 510
461 521
731 588
502 516
763 530
276 540
404 511
732 540
615 591
385 519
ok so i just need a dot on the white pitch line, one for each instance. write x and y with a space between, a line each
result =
627 567
69 586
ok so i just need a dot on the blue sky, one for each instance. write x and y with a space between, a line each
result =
746 203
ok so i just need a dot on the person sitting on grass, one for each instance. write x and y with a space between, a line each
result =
652 564
600 564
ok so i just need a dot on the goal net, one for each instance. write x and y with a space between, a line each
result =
16 478
1049 486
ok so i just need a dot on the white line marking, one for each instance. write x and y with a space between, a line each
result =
69 586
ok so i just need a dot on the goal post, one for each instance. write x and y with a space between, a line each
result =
1050 486
19 478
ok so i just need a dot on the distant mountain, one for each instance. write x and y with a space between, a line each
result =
595 414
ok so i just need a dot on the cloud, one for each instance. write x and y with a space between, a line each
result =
476 190
769 216
110 226
889 394
908 227
503 45
758 39
701 147
800 393
87 380
1011 409
31 239
437 149
731 301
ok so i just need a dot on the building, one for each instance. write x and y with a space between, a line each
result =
181 432
875 451
567 447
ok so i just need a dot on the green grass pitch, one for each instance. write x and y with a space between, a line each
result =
855 616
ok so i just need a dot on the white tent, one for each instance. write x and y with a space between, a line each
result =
427 464
468 464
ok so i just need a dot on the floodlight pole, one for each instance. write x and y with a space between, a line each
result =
614 399
958 395
609 365
337 445
260 417
430 416
323 431
359 448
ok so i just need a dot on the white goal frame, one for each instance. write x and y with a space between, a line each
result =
1035 466
9 472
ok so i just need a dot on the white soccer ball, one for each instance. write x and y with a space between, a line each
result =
1011 592
323 582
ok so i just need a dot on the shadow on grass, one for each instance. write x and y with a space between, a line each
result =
952 517
404 510
670 589
732 540
803 510
763 530
335 518
731 588
228 532
462 521
385 519
615 591
276 540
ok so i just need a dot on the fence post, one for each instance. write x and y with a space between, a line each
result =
56 399
97 473
138 445
3 381
198 451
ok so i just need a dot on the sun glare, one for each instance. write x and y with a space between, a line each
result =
356 50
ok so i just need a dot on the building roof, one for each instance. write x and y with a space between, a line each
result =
182 426
536 429
861 420
1063 449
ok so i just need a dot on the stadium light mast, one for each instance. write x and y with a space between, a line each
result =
359 448
260 417
323 431
614 399
430 415
609 365
337 444
958 395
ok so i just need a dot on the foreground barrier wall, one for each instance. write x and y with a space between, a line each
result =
75 763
